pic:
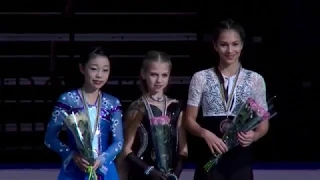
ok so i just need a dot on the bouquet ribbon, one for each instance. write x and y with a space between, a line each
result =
92 173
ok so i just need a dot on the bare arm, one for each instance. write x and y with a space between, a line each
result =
194 100
131 125
183 147
261 130
191 124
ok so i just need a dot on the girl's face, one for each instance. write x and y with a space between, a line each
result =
157 76
229 47
96 71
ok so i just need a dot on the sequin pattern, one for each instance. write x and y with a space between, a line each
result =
110 112
113 114
54 127
204 90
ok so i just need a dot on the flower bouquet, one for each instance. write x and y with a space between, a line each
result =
248 118
161 133
80 126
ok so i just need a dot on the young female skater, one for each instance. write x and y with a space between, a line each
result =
221 91
148 153
104 112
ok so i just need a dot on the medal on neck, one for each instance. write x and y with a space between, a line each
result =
226 100
86 107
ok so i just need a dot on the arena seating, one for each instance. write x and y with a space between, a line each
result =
39 61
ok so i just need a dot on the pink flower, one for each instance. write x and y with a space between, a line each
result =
261 112
250 100
253 105
154 121
162 120
266 116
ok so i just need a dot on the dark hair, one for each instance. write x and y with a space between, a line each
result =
91 53
228 24
150 57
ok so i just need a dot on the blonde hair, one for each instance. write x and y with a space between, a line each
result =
150 57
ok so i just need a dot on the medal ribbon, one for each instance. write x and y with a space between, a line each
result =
224 91
87 110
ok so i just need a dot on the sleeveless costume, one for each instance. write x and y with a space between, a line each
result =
143 147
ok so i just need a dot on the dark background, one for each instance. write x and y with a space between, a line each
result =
33 69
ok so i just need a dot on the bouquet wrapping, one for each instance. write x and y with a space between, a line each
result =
80 126
161 133
248 118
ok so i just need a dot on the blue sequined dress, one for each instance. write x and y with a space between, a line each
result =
110 124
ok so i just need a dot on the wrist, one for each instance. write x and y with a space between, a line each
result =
256 136
203 133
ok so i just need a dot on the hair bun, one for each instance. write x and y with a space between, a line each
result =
91 52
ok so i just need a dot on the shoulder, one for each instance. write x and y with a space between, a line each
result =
199 78
176 107
108 99
137 102
202 73
254 75
69 97
137 105
176 103
173 101
135 111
